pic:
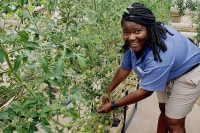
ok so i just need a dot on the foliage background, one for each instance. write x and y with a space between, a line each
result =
64 52
194 7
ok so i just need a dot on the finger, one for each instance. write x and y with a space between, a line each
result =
107 100
103 102
100 111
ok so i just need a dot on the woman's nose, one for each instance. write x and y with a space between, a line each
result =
132 37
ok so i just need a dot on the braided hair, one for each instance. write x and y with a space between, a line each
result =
138 13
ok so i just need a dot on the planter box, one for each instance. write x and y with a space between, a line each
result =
129 115
118 127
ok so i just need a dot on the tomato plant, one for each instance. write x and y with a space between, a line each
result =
193 6
57 57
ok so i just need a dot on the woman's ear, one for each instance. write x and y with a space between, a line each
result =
125 38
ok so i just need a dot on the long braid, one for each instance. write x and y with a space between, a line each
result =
156 31
156 39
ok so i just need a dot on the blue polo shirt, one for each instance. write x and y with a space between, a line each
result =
180 56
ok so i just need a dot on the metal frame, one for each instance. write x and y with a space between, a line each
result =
134 109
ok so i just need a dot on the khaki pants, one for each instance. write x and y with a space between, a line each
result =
181 94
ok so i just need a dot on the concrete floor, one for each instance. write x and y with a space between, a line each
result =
145 119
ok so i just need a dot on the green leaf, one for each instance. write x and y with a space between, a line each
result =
31 67
81 62
73 113
2 33
69 53
32 128
35 31
30 113
55 106
59 67
30 103
22 2
64 90
47 129
16 106
18 61
11 112
45 66
55 82
46 109
72 71
8 129
32 45
77 98
43 114
23 36
36 37
1 56
4 116
20 129
75 90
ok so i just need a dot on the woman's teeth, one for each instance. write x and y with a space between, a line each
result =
133 43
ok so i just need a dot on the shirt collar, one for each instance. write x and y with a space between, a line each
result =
143 55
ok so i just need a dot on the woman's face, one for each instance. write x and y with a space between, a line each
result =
135 35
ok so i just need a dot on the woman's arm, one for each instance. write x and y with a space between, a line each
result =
120 75
133 97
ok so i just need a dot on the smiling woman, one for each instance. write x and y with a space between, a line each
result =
69 45
135 35
155 31
152 50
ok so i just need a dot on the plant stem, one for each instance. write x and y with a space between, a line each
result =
95 6
57 122
18 77
15 50
4 72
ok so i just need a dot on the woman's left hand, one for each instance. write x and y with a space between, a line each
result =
106 108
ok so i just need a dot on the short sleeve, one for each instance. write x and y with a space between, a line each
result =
155 79
126 61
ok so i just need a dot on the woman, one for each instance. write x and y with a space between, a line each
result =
165 61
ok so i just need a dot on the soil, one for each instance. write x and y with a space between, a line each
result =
115 122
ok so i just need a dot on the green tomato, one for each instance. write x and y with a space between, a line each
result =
99 131
107 122
83 129
100 126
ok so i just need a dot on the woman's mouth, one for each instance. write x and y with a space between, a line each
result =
134 44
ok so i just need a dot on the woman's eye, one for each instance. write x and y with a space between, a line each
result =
137 31
126 33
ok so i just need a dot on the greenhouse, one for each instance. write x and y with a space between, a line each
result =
63 67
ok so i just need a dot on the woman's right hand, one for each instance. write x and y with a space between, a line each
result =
105 99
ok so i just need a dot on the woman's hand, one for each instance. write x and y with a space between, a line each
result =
106 108
105 99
